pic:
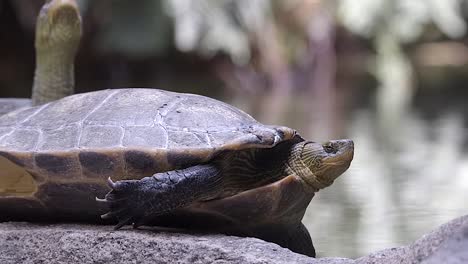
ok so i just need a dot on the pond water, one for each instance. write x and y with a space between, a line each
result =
403 182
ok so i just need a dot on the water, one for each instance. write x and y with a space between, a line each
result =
404 181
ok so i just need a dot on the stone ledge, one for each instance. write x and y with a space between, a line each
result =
426 247
73 243
77 243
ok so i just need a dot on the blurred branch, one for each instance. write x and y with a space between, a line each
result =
322 90
441 54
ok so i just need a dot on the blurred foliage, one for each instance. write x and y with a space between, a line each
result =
134 30
205 26
406 20
229 26
309 51
212 26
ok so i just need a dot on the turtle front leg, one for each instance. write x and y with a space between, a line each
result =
132 201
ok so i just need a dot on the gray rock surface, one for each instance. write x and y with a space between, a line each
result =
70 243
453 250
428 246
73 243
10 104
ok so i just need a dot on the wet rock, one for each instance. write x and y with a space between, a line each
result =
453 250
441 244
71 243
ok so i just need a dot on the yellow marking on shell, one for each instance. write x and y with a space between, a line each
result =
14 180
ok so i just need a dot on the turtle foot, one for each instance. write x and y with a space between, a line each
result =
125 203
139 201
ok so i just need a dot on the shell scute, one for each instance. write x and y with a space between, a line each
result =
20 139
97 163
184 139
142 163
130 107
129 133
101 136
56 165
59 139
66 111
141 136
199 113
17 117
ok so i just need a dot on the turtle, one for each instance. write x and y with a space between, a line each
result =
160 158
58 34
10 104
178 160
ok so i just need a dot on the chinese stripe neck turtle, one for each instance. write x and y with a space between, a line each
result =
157 157
176 160
58 34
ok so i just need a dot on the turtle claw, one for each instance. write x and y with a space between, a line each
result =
117 214
123 202
108 215
134 201
138 223
110 183
101 200
123 222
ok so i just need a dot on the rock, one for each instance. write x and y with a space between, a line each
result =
453 250
441 244
10 104
73 243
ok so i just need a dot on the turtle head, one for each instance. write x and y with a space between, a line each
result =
325 162
58 34
58 27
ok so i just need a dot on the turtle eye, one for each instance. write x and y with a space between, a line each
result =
329 149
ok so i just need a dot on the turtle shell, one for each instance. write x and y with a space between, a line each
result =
61 153
10 104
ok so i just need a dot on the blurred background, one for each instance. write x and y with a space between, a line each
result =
390 74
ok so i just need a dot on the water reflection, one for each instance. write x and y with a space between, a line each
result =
402 184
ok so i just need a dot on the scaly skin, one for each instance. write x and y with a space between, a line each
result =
262 192
58 33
